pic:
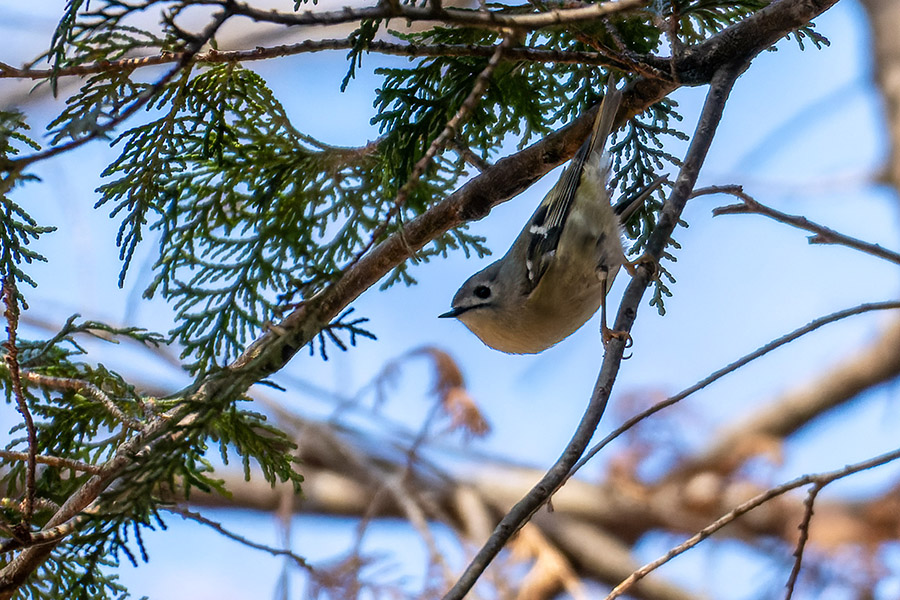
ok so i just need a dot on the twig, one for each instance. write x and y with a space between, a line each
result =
416 516
804 536
195 516
39 504
89 389
11 313
730 368
669 216
52 461
265 53
388 10
44 536
822 234
470 157
820 479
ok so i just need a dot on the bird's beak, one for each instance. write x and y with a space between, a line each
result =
452 313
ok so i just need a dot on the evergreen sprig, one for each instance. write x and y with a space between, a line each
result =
246 207
69 574
17 228
73 425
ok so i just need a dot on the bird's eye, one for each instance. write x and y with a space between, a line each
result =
483 292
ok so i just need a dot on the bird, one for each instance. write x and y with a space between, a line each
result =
557 272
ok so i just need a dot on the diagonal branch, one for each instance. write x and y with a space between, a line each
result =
804 537
669 217
456 16
819 479
875 364
731 368
821 234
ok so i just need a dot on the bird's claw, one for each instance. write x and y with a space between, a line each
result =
609 335
651 263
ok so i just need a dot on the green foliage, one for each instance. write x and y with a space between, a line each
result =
74 425
17 227
331 333
361 39
247 208
638 156
99 100
818 40
86 36
699 19
71 575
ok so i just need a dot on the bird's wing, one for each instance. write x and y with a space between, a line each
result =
547 224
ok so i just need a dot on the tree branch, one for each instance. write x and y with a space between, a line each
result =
669 216
197 517
265 53
837 384
820 479
11 313
53 461
730 368
823 235
456 16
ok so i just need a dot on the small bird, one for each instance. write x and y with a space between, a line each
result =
557 272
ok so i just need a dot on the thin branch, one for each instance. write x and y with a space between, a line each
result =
88 389
264 53
822 234
43 537
416 516
195 516
17 164
730 368
669 216
804 536
835 384
820 479
52 461
11 313
389 10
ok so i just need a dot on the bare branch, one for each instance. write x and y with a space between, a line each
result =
804 536
786 339
822 234
388 10
265 53
837 384
195 516
11 313
821 479
52 461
